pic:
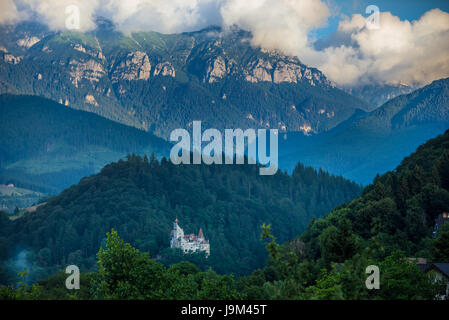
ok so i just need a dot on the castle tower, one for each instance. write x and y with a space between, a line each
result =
177 235
188 242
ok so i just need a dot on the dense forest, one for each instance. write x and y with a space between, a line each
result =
141 197
391 221
46 146
370 143
53 123
388 224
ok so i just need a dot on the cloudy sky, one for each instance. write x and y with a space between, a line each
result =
410 43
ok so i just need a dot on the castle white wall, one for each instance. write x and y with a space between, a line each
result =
179 241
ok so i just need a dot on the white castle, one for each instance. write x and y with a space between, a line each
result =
188 242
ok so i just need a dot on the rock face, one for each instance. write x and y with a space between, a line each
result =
11 59
28 42
64 102
164 69
160 82
259 70
135 66
306 128
278 69
79 48
216 70
91 100
287 72
90 70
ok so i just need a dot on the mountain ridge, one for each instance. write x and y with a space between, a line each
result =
375 142
50 146
160 82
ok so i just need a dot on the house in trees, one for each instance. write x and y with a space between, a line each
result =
439 221
188 242
440 272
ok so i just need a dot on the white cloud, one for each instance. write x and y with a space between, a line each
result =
167 16
414 52
9 13
277 24
53 12
399 51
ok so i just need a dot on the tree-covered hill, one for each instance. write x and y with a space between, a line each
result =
372 143
141 198
391 221
389 226
398 210
47 146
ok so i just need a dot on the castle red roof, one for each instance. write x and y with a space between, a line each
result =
190 236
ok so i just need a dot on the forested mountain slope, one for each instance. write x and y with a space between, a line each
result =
367 144
396 212
141 198
389 226
47 146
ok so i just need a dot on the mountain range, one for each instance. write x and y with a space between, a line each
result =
374 142
86 116
160 82
378 94
157 82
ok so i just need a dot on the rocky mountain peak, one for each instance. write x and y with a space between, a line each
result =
135 66
179 77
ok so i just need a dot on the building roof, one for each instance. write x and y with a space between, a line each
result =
190 236
425 267
438 266
417 261
442 267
